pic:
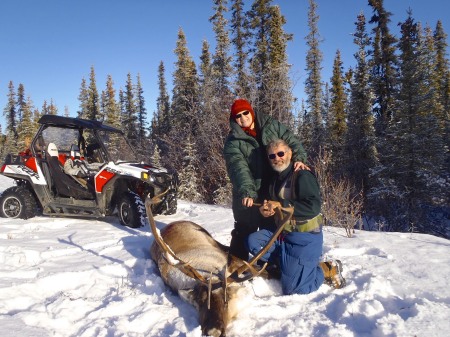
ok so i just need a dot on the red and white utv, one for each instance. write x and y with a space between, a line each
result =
115 178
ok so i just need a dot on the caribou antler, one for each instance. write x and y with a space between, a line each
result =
187 269
248 266
169 255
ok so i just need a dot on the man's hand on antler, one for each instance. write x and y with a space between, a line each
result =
268 208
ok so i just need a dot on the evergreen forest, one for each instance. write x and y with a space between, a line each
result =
376 132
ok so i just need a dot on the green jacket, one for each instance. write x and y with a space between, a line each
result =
306 196
246 158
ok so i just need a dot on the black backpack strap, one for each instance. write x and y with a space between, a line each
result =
293 178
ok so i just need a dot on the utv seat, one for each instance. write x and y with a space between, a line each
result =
65 185
75 151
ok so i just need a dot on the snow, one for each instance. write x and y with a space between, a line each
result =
84 277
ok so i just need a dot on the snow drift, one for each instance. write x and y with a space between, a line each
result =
76 277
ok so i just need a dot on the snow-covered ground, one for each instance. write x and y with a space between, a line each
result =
78 277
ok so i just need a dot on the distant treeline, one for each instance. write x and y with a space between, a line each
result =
380 124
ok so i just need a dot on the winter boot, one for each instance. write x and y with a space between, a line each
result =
273 272
237 245
332 270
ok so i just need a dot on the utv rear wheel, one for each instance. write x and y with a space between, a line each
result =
131 210
18 202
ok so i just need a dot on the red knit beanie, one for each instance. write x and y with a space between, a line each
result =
240 105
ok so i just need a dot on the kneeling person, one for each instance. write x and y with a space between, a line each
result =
299 248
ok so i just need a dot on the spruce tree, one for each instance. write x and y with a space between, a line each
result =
45 108
214 128
441 65
93 100
313 84
141 113
300 119
404 129
102 105
384 66
156 157
442 80
36 115
185 86
52 108
278 88
205 71
259 19
23 119
185 100
337 117
162 122
111 110
434 173
409 162
360 142
2 144
122 108
27 128
221 64
130 119
384 84
215 99
240 41
209 106
20 102
222 196
83 98
326 105
163 103
189 175
10 113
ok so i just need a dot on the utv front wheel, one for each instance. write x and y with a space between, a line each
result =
171 207
131 210
18 202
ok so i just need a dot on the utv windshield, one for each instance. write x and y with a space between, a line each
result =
118 148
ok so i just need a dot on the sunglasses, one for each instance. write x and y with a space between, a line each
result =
244 113
274 155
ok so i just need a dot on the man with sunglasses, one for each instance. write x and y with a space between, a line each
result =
298 250
249 170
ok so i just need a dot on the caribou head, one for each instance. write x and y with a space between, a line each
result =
200 269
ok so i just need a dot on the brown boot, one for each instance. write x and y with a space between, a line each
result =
332 270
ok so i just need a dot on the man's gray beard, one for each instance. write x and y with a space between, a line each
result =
279 168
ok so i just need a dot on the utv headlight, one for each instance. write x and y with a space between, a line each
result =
147 177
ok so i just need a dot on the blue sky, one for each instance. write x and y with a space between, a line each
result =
50 45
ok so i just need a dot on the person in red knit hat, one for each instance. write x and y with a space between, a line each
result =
249 169
246 118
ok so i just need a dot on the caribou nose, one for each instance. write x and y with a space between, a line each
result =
214 332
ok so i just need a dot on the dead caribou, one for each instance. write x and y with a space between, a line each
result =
200 269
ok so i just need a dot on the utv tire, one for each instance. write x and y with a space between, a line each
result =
18 202
131 210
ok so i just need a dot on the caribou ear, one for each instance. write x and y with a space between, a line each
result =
189 296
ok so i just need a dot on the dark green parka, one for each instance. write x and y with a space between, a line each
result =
247 163
306 198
